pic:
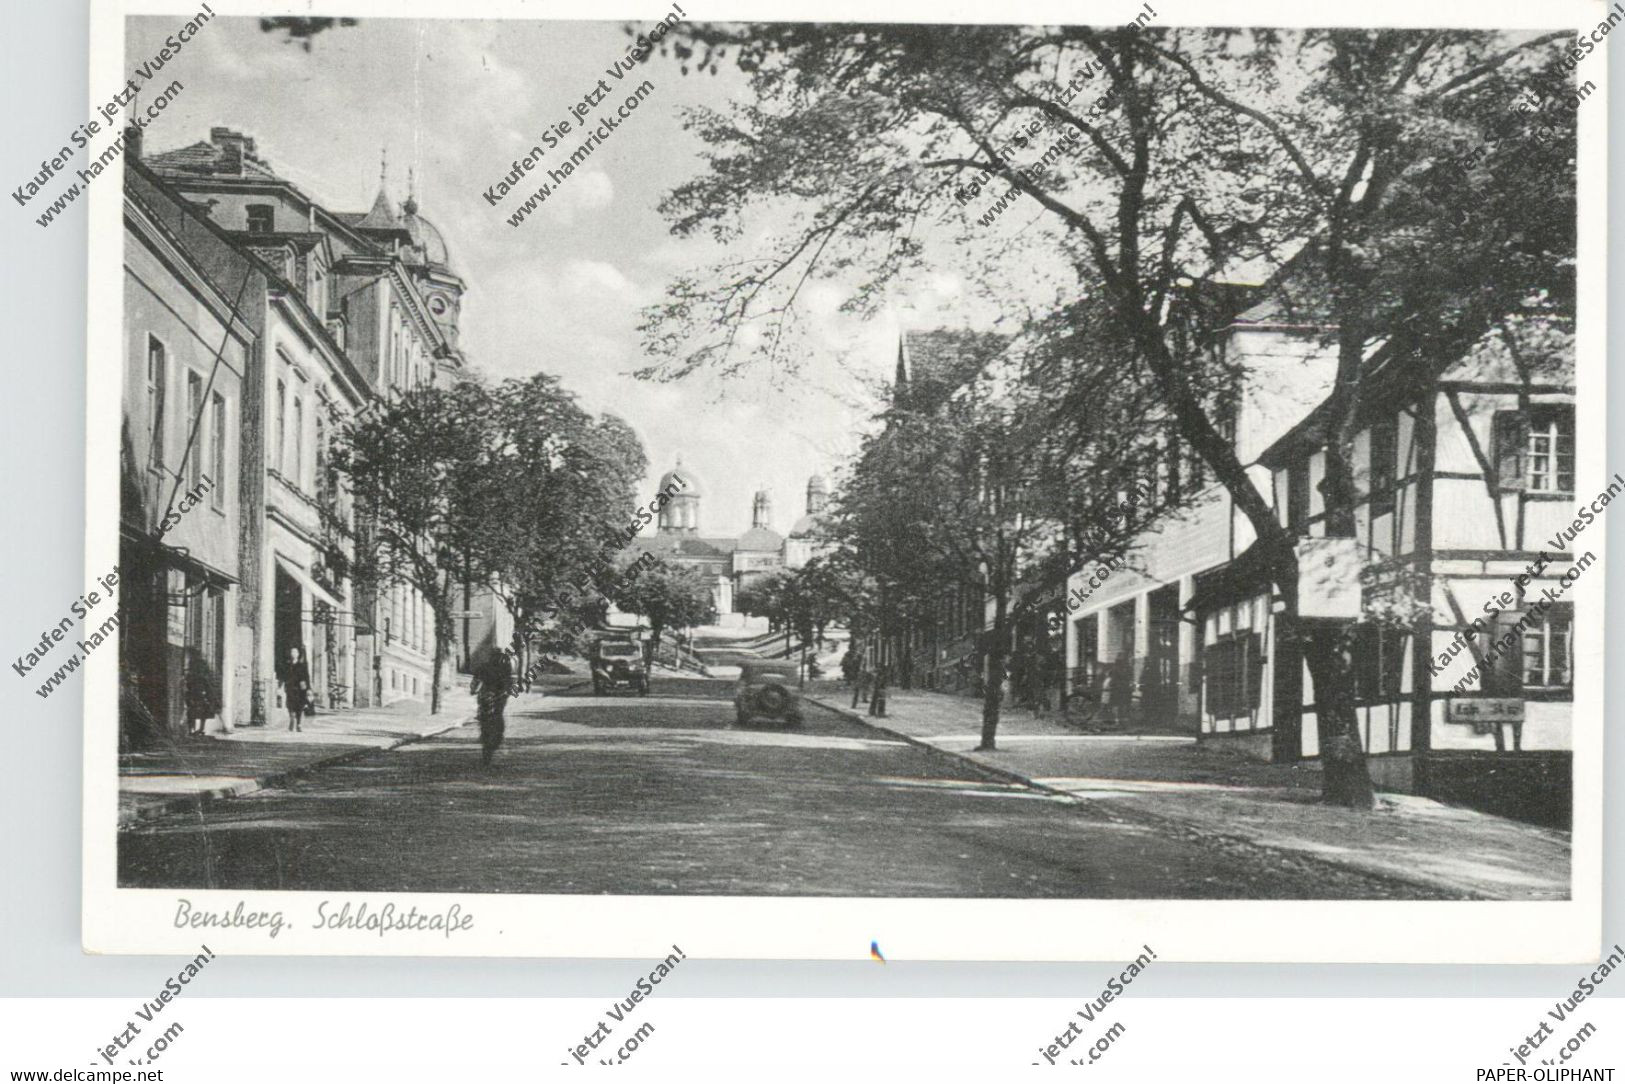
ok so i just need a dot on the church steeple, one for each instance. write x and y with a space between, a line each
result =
761 512
382 216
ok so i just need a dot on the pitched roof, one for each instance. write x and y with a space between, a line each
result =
381 217
204 158
935 363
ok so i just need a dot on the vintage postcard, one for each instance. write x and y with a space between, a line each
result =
1013 481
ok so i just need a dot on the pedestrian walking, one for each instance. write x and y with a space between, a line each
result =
1048 677
851 666
492 685
296 688
202 701
860 687
877 697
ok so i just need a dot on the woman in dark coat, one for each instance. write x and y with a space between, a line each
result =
202 702
296 686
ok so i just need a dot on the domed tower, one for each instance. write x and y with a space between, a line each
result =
761 510
817 494
426 255
681 515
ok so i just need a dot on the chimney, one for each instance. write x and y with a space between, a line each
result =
231 149
132 141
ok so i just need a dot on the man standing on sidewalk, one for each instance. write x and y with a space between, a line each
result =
492 685
877 698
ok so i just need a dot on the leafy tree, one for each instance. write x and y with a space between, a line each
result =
1185 155
566 482
763 596
420 475
666 596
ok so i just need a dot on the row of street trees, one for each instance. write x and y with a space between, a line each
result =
512 487
1379 163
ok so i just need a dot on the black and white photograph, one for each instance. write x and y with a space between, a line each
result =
1001 488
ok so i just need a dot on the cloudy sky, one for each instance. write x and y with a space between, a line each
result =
456 103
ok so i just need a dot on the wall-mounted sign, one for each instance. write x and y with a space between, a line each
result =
1484 710
1329 577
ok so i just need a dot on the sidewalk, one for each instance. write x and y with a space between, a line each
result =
194 772
1220 795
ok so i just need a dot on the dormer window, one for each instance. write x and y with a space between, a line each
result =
261 218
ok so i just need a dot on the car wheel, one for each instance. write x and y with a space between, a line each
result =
772 700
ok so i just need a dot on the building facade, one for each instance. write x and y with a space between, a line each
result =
730 563
353 307
1132 654
189 352
1459 573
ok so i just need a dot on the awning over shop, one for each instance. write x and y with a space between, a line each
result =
150 547
307 582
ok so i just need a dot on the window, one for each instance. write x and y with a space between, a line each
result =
261 218
281 424
1548 650
1297 497
1551 450
298 475
1234 670
217 450
324 490
1378 657
194 418
1384 466
157 370
1534 451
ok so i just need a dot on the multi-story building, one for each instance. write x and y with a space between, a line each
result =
728 562
1466 480
189 349
356 306
1130 650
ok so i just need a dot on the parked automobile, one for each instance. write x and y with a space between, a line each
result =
767 690
618 664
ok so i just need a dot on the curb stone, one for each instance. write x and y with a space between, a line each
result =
959 758
201 800
1171 824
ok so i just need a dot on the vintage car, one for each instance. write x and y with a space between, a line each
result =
767 690
618 664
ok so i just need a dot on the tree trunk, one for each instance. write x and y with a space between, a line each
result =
442 641
1345 778
997 653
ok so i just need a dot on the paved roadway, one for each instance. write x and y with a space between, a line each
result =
665 794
